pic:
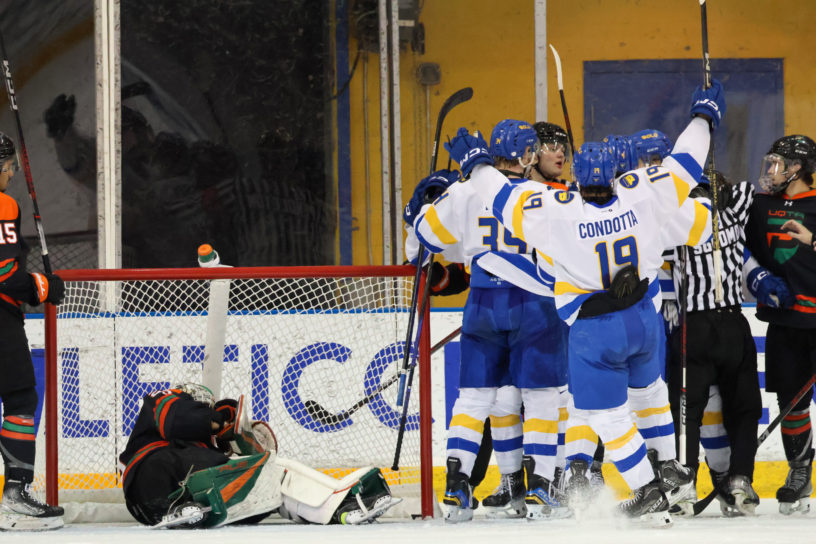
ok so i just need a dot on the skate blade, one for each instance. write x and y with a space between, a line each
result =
801 506
358 517
744 508
653 520
683 509
511 510
680 493
20 522
456 514
539 514
184 518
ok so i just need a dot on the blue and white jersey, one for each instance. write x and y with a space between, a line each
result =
459 222
589 243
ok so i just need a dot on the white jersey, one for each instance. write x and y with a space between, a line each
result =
589 243
459 221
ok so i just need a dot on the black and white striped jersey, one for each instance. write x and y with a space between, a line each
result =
700 265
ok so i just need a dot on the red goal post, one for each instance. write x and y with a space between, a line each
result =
328 334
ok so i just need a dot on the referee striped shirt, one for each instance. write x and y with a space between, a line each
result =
700 265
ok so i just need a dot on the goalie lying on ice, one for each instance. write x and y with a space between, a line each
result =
192 462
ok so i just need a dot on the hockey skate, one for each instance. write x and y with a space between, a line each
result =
794 496
727 505
647 506
544 500
596 477
20 511
188 515
578 491
676 480
507 501
358 511
744 497
458 503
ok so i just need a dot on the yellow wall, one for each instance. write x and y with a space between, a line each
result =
489 45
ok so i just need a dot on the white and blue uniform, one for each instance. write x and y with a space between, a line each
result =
589 244
511 333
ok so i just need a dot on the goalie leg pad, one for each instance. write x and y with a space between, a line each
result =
241 488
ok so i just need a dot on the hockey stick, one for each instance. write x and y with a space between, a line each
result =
681 435
24 157
325 417
560 78
699 506
460 96
715 218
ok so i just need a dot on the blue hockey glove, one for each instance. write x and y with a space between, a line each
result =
769 289
427 191
709 102
468 150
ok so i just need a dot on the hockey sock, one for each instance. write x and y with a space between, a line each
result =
713 437
623 443
653 418
563 416
467 424
797 434
580 440
17 446
541 428
505 424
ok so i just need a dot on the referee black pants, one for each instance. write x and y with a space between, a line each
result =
720 351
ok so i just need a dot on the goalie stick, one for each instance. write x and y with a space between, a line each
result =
460 96
715 219
12 98
325 417
217 308
699 506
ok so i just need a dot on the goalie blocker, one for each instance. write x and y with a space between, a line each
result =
239 477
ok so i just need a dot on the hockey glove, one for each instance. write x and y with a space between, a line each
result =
427 191
226 410
448 280
47 288
670 314
468 150
769 289
709 103
60 116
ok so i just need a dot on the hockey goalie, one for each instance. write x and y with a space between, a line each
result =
191 462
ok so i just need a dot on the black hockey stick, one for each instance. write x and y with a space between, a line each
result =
325 417
681 436
699 506
715 219
460 96
560 78
24 156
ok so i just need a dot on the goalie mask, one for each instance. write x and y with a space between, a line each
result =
789 158
199 393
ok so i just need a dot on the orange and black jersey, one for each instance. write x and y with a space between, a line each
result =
15 283
785 256
167 418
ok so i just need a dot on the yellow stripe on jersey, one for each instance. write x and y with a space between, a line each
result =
652 411
666 266
682 189
712 418
545 257
562 287
581 432
700 220
562 414
518 215
540 426
464 420
437 228
505 421
621 441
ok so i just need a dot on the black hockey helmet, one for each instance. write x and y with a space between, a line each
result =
796 147
7 150
550 133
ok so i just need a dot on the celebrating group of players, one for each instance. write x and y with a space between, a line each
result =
563 338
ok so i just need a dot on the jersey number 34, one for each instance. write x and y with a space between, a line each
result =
491 240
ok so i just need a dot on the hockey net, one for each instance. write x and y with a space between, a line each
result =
295 337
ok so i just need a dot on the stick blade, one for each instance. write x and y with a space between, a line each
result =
462 95
323 416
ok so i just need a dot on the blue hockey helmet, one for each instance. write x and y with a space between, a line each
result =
621 150
593 165
510 138
650 144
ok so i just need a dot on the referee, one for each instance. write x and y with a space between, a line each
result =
719 348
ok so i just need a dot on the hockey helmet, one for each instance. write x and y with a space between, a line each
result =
650 144
551 136
510 138
7 150
784 153
620 148
594 166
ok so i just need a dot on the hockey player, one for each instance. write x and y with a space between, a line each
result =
553 154
510 329
20 510
601 242
178 469
785 286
